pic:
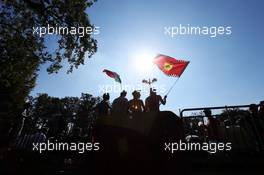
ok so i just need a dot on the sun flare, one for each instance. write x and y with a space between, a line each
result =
144 61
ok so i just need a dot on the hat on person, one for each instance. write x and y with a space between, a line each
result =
135 93
123 92
206 111
106 96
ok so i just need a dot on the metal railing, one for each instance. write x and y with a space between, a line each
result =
210 108
241 137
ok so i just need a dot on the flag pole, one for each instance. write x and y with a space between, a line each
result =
172 86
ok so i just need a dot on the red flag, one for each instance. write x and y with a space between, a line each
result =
112 75
170 66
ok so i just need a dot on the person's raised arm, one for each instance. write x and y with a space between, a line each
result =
163 101
143 106
146 105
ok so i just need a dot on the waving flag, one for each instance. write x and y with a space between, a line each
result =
170 66
112 75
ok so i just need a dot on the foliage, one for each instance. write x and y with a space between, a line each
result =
45 106
22 52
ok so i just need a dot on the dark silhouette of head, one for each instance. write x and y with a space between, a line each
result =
136 94
27 105
43 130
153 92
123 93
253 109
106 96
261 107
207 112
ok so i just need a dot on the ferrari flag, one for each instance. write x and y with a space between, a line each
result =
112 75
170 66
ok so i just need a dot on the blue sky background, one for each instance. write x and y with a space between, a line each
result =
227 70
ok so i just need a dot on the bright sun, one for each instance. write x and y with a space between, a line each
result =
144 61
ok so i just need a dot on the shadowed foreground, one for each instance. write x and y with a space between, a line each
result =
132 145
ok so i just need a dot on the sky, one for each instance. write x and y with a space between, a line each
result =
225 70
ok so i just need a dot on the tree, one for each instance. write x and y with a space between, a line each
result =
22 52
45 106
71 105
88 103
233 115
60 110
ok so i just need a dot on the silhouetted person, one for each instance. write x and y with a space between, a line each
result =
261 110
60 124
212 126
136 104
255 123
25 115
261 118
153 101
120 104
103 107
75 135
201 130
40 136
